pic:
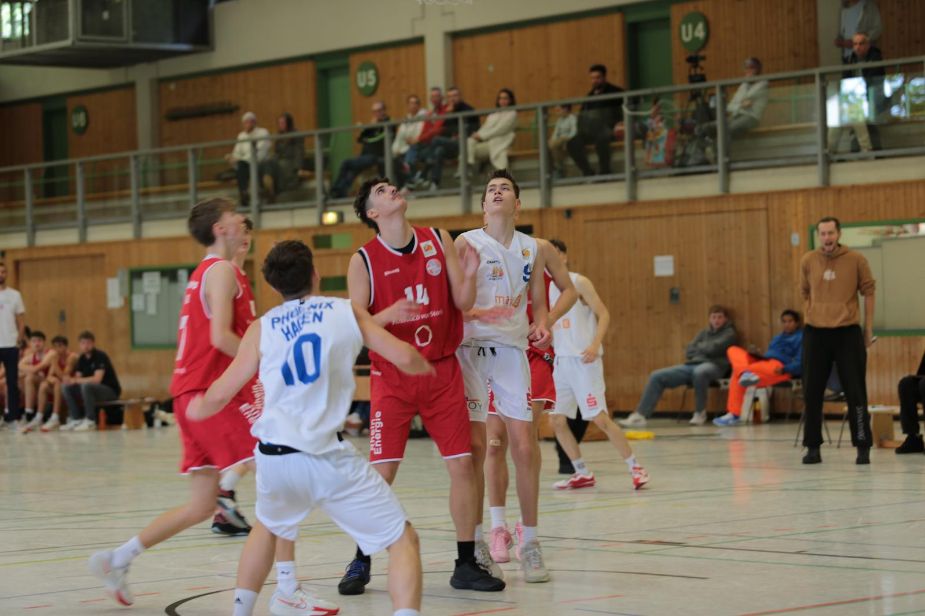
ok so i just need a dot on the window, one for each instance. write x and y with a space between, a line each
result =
14 20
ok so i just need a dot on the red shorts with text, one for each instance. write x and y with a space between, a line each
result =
221 441
541 382
395 398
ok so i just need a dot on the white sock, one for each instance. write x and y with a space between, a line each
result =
406 611
478 533
497 517
286 581
229 480
244 601
580 467
631 462
27 411
126 553
530 533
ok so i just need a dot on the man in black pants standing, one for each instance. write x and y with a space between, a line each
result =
911 393
12 332
830 279
596 121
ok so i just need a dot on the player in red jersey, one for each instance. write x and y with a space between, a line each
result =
412 282
217 308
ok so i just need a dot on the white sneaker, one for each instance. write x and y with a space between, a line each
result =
532 562
301 603
166 419
114 579
52 424
699 418
635 420
34 424
71 424
485 561
85 425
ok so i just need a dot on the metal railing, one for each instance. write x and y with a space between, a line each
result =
146 185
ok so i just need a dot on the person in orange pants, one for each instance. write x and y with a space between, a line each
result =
782 362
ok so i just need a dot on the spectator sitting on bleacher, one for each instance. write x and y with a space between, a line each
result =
857 16
705 361
34 368
242 155
419 146
494 138
445 146
911 394
566 127
63 365
372 153
288 154
744 111
596 122
783 361
406 133
94 381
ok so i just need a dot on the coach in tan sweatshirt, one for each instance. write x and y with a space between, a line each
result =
831 278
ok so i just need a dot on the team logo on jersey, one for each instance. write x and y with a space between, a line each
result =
592 401
375 433
423 336
391 271
428 248
497 272
474 405
526 253
433 267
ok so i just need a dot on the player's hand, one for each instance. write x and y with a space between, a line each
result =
540 337
589 354
470 261
402 310
196 411
495 314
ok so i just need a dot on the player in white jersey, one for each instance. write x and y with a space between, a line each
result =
493 351
305 350
579 377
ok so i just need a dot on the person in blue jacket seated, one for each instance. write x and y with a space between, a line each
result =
782 361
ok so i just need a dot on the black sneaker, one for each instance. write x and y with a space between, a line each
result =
470 576
228 506
812 456
221 526
355 580
912 444
863 455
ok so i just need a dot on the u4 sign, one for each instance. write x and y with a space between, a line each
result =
694 31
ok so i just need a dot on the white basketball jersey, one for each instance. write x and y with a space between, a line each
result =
574 332
308 348
503 280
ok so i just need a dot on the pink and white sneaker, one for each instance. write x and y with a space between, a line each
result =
640 477
575 481
113 578
500 544
519 534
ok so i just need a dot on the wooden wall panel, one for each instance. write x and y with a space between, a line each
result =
782 34
21 144
903 28
401 72
112 128
539 62
267 91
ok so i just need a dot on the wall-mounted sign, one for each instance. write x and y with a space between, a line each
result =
694 31
367 78
80 119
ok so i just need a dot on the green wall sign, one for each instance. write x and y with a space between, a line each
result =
367 78
694 31
80 119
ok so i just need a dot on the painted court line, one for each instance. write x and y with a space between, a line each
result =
495 611
589 599
834 603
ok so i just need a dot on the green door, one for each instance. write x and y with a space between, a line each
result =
649 45
334 108
54 182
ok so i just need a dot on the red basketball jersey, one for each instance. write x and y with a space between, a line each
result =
419 276
198 363
547 352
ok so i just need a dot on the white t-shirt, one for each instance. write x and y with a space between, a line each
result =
503 280
10 305
307 350
574 332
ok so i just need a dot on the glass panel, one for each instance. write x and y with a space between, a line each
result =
164 185
12 200
51 21
288 175
54 190
107 185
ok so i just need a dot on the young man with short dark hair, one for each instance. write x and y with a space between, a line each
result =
596 121
94 380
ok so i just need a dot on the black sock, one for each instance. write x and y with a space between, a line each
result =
465 550
361 556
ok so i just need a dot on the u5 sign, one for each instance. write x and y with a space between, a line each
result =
694 31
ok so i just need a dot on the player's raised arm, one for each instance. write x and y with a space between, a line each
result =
402 354
462 265
242 369
553 263
358 288
221 287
